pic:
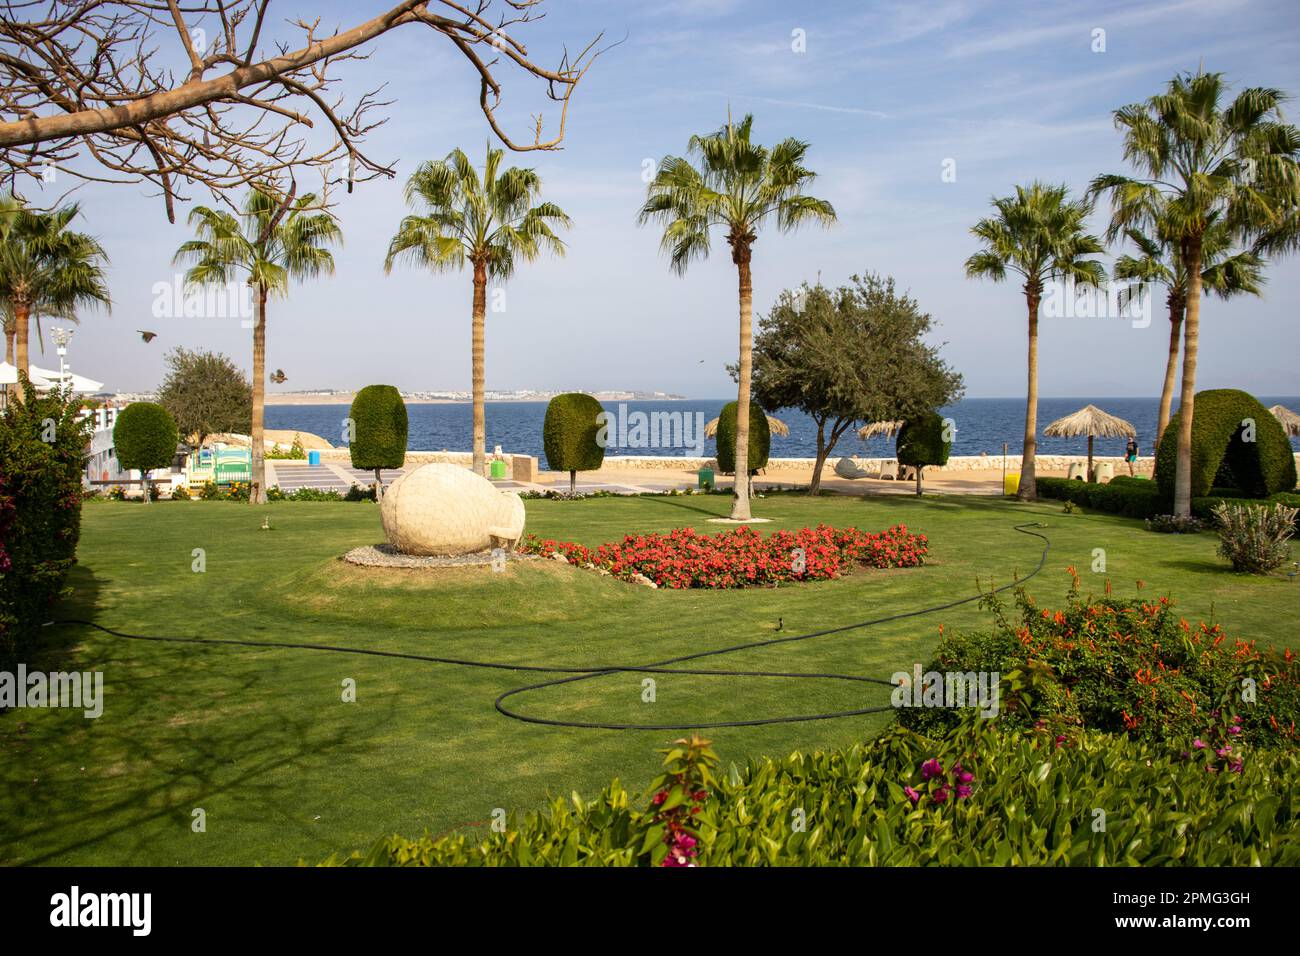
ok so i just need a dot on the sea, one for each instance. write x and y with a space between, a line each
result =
982 426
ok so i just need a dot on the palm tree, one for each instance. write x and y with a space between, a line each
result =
1204 163
1223 272
279 239
1037 234
47 270
490 222
739 186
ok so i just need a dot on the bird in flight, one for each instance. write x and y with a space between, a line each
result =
147 336
278 376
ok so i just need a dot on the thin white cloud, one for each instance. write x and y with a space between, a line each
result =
1004 40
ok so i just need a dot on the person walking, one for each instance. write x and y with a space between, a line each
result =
1131 454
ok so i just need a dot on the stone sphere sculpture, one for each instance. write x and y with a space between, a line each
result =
443 510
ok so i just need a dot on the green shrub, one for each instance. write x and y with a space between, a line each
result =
42 453
144 438
1175 524
572 434
1125 666
180 493
923 441
1130 499
760 439
1255 537
355 493
1220 456
978 796
295 452
380 424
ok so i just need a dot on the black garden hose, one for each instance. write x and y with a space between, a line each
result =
665 666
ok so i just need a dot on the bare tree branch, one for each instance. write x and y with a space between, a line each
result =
86 78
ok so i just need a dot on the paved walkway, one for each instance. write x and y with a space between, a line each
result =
291 475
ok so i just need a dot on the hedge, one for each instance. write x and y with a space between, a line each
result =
760 439
1132 499
145 437
379 428
1139 498
40 513
571 434
1219 456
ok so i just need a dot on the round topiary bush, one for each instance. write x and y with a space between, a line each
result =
571 434
379 426
1236 443
760 439
144 438
922 441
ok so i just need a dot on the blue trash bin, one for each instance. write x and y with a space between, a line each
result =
313 458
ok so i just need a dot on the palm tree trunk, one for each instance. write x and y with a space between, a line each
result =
10 332
1028 489
477 349
1191 343
257 470
21 360
740 503
1171 369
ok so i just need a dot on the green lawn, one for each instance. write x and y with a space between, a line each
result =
284 770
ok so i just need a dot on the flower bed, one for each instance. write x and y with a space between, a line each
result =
685 558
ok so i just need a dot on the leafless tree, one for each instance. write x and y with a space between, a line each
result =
184 93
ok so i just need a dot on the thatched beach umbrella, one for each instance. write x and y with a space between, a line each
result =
871 430
1289 419
774 425
1093 422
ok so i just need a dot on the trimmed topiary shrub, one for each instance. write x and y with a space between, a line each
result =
760 439
379 426
42 452
923 441
572 435
144 438
1223 456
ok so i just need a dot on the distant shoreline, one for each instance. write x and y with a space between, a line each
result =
345 398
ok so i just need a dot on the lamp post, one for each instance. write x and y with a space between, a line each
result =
61 339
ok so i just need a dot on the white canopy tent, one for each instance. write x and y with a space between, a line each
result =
44 378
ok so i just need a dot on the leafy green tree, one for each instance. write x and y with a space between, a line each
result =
144 438
848 355
46 269
276 238
739 187
572 433
1203 163
490 222
1224 272
1039 235
206 394
379 418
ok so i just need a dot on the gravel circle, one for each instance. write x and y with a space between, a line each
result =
386 556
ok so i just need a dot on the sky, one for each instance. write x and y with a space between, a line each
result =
890 95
